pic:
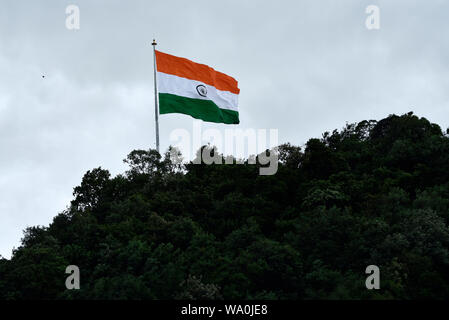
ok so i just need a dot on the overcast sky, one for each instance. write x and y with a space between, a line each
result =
304 67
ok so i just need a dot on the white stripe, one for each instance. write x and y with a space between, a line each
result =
168 83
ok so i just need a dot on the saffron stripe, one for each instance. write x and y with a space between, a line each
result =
185 68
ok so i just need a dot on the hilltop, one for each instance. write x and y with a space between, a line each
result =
375 192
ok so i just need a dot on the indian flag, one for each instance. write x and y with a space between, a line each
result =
196 89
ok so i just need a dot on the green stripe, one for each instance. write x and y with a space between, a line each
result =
205 110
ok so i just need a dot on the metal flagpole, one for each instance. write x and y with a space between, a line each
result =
156 105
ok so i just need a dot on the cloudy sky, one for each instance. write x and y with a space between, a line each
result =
304 67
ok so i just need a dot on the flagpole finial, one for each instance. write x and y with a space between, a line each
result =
154 42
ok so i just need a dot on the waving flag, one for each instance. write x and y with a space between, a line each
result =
196 89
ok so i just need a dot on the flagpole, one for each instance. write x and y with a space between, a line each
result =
156 111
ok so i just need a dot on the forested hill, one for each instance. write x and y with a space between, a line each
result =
375 192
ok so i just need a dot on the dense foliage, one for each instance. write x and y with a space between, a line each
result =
376 192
